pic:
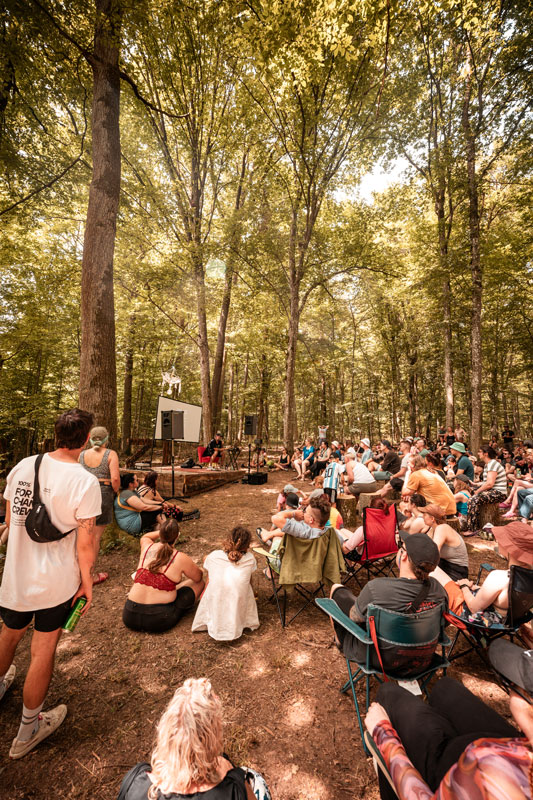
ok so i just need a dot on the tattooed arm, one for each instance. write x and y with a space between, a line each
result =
85 547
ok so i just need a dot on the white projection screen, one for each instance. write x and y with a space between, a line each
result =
192 418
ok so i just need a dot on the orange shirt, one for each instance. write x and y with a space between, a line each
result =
432 488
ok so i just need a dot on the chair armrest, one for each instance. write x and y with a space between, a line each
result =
261 551
379 760
453 619
330 607
486 567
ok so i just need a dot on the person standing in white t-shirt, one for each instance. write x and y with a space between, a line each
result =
42 580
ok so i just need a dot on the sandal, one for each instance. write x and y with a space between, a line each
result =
100 577
466 534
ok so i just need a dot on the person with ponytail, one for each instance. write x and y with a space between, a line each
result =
166 584
228 603
102 462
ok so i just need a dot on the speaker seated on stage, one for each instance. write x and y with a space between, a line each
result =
215 449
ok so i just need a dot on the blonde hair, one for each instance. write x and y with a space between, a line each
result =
188 740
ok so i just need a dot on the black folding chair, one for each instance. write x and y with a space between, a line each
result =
415 638
477 635
378 555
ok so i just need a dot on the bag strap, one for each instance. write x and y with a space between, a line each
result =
36 488
126 507
419 599
374 637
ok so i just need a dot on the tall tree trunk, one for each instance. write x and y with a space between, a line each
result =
476 431
289 401
230 436
128 385
243 406
98 380
203 346
448 361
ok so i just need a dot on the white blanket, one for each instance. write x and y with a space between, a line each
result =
228 603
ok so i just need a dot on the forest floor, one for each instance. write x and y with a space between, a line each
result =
283 711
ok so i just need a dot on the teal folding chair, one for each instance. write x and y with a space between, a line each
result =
410 641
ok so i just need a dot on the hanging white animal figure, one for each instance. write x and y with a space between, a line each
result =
172 379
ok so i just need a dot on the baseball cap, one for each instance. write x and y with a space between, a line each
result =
292 500
420 548
366 441
513 663
289 488
463 478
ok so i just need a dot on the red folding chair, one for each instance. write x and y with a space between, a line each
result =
203 459
380 546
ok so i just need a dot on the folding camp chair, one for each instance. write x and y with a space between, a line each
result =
379 762
415 638
306 566
477 634
378 556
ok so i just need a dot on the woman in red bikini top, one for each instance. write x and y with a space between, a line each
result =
162 569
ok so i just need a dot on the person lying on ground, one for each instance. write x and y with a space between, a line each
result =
467 750
132 513
411 509
452 548
228 605
284 461
466 598
429 485
414 590
166 584
188 759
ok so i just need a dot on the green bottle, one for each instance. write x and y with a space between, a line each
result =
75 614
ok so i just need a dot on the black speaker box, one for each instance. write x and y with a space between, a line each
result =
250 424
257 478
166 425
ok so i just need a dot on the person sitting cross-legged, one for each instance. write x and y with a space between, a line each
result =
413 591
492 490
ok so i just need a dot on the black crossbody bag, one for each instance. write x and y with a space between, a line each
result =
38 524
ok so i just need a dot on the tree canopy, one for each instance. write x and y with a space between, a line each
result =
180 186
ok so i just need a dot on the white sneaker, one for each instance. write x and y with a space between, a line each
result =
9 677
49 721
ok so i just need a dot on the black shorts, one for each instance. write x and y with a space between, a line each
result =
331 493
46 619
158 617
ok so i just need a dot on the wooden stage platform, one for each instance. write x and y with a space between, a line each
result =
188 482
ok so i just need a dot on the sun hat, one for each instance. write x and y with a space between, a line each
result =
292 500
433 510
513 663
420 548
366 441
459 446
516 539
289 488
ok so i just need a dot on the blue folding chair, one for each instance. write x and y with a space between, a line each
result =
414 637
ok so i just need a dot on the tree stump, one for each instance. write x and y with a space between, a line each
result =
490 512
454 523
347 508
365 499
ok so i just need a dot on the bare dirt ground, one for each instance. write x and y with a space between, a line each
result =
284 714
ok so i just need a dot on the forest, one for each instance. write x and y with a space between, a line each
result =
195 188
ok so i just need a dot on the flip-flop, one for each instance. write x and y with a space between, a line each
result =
258 534
467 534
100 577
